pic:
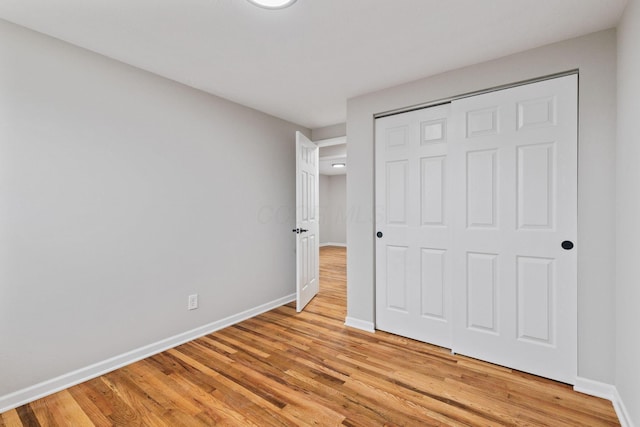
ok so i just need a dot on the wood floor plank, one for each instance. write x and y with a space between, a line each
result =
43 411
88 401
11 419
284 368
67 411
27 416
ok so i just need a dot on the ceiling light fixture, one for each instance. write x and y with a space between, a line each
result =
338 165
273 4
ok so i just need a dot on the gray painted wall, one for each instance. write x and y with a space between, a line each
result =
628 209
333 131
324 187
333 151
333 209
595 56
121 193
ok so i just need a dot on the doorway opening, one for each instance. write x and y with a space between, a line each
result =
333 218
333 192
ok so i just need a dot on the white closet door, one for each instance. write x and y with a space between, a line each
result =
413 262
514 161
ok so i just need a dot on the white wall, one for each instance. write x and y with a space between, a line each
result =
595 56
628 210
121 193
333 209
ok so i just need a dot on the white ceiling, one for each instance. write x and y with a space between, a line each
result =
302 63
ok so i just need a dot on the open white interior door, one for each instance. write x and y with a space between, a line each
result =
307 241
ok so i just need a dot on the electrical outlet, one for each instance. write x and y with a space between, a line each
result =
193 302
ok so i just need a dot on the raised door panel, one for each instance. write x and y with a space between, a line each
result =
482 189
397 196
482 292
536 113
536 188
433 131
311 197
397 278
433 283
482 122
536 300
396 138
433 191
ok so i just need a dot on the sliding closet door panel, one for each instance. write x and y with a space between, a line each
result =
413 196
513 156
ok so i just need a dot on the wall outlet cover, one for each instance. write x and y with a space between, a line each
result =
193 302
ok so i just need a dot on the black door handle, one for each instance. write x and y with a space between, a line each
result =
299 230
379 234
302 230
567 245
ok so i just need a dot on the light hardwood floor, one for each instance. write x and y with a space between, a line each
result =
285 369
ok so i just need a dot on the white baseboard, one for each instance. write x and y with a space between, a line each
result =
360 324
605 391
45 388
342 245
621 411
594 388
